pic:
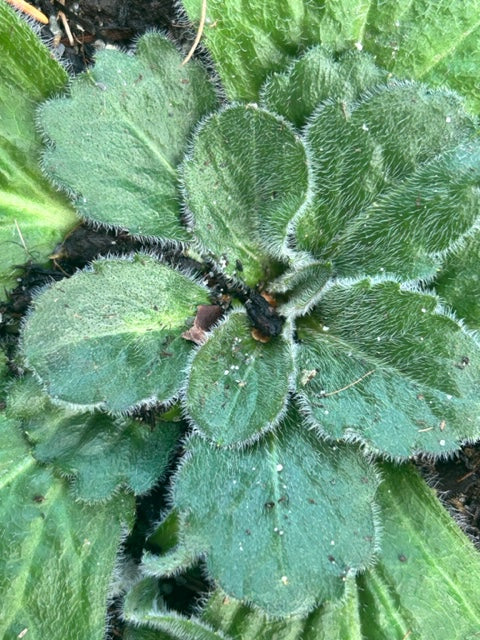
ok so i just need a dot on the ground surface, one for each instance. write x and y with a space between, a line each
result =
95 24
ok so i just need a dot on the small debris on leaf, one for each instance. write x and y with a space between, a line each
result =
207 316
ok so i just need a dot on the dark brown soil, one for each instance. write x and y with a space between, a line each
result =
96 23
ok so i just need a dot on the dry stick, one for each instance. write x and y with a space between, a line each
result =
332 393
22 240
66 26
198 37
27 8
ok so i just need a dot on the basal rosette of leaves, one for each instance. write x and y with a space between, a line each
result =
315 225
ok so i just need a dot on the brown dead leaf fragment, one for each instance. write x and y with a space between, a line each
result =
207 316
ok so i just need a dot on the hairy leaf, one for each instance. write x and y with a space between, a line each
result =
54 554
100 452
144 607
245 181
435 41
458 282
431 40
283 522
383 364
248 40
319 76
33 216
238 386
303 285
397 181
117 140
120 325
421 545
338 620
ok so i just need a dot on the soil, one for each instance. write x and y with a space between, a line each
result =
95 24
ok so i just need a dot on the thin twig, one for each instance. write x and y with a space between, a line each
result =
332 393
198 37
22 240
66 27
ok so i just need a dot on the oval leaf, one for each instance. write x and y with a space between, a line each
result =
384 365
129 119
396 178
283 522
245 181
238 386
110 337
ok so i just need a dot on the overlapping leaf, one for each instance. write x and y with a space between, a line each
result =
54 554
245 181
33 216
237 386
117 140
421 544
383 364
316 76
281 523
146 609
248 41
101 453
397 178
302 286
120 325
458 282
431 40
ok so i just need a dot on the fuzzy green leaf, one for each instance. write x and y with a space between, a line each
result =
333 621
421 545
56 562
144 607
33 216
110 337
175 557
245 181
101 453
458 282
318 76
283 522
381 363
435 41
248 40
397 181
129 118
303 285
237 386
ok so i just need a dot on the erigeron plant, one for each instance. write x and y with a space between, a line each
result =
304 347
318 220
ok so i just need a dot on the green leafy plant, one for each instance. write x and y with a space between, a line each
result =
286 310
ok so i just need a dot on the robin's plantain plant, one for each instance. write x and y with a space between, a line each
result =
304 342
